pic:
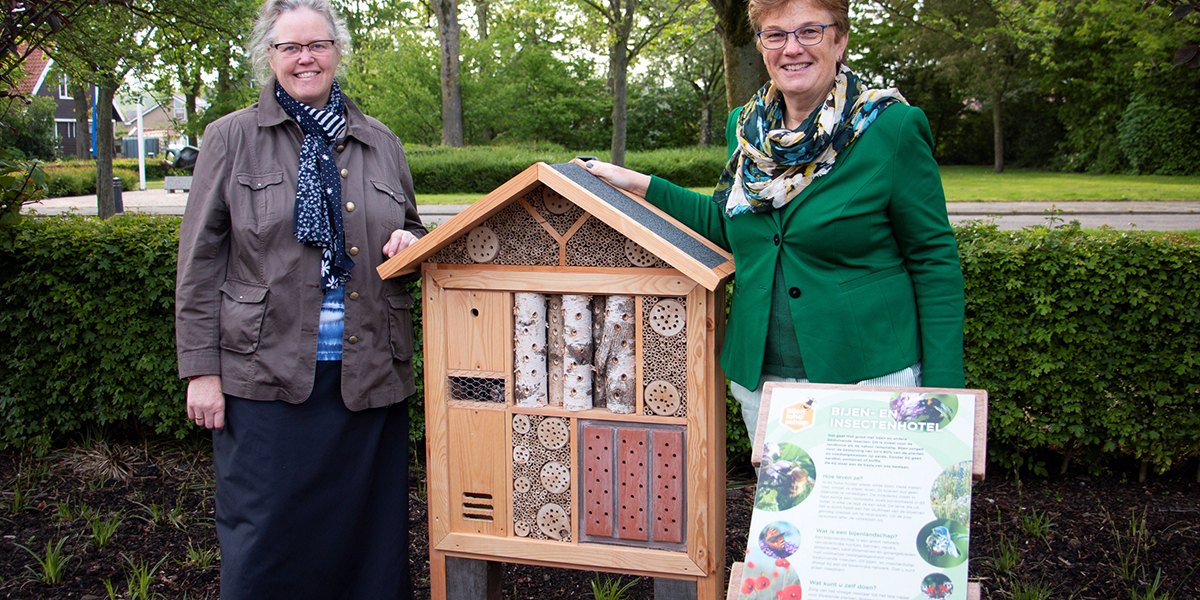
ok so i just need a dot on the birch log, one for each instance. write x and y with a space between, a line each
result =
598 364
530 337
577 352
616 351
554 337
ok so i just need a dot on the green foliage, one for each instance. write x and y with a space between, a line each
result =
21 182
611 589
28 130
88 307
481 169
69 180
1159 139
1087 343
53 562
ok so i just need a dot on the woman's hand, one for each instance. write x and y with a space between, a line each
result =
628 180
400 240
206 402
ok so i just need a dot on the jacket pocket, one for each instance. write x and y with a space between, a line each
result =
242 308
880 275
400 326
261 189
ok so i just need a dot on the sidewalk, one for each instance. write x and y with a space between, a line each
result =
1008 215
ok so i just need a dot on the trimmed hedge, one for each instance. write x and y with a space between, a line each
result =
481 169
1088 343
80 180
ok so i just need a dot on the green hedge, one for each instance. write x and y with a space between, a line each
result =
1088 343
481 169
80 180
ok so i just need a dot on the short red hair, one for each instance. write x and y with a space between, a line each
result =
840 9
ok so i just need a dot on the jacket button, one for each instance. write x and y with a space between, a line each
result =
353 251
777 239
345 173
349 207
794 292
340 147
352 339
354 295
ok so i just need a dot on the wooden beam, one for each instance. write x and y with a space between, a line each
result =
564 280
641 562
409 260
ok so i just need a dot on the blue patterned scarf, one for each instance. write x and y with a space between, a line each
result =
318 213
773 164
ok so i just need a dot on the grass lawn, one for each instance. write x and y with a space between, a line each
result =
979 184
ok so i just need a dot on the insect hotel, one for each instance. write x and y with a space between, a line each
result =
575 411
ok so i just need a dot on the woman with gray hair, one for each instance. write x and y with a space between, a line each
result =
298 356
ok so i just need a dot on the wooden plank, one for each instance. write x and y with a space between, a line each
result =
974 590
638 332
666 488
598 481
478 488
541 220
735 581
632 452
760 428
641 562
566 280
508 351
475 321
979 456
705 446
599 414
409 260
649 240
473 579
437 574
436 443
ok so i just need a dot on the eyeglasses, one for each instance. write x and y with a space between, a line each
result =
293 49
809 35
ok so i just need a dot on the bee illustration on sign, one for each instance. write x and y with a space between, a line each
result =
924 408
786 477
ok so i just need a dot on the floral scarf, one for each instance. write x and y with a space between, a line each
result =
318 212
773 164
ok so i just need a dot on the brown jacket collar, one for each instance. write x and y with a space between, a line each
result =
270 114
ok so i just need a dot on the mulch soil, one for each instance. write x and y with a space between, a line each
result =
1065 537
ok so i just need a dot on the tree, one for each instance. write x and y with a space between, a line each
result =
745 71
394 78
452 105
27 26
1184 11
29 128
690 56
629 26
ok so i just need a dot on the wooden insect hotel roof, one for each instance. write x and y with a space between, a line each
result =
636 219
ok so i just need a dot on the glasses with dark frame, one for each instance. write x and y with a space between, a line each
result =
808 35
293 49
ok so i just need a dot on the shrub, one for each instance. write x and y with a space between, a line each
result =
1159 139
79 179
481 169
1088 343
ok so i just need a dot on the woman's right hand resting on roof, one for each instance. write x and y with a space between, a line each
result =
630 181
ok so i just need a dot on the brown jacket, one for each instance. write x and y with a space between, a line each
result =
248 295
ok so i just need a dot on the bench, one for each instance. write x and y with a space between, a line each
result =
177 182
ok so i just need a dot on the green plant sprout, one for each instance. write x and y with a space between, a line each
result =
53 564
103 530
139 577
610 589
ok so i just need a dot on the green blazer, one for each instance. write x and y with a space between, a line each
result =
868 257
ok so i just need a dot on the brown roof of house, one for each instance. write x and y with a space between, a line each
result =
34 64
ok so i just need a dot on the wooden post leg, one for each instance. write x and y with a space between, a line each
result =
470 579
674 589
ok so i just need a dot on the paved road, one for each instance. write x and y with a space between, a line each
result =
1152 216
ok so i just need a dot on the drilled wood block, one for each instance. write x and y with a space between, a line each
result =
633 451
598 480
667 486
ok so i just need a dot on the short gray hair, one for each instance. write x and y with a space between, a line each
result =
264 33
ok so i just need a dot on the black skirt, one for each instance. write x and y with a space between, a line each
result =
312 499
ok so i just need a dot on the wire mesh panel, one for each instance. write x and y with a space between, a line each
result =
473 388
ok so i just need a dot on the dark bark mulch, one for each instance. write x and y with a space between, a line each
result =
1062 537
